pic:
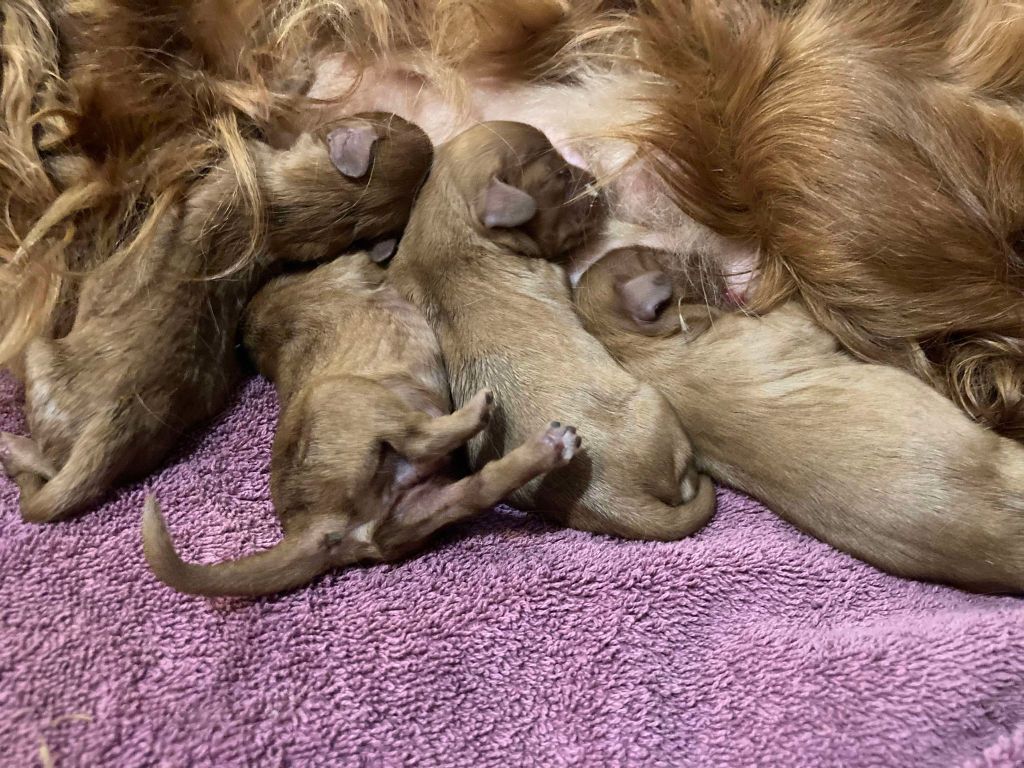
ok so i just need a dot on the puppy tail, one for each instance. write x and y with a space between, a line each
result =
293 562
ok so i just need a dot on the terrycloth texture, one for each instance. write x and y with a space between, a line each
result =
509 644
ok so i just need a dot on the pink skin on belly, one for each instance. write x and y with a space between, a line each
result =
740 271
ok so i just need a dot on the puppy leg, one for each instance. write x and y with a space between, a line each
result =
25 464
21 455
552 448
87 475
654 520
423 438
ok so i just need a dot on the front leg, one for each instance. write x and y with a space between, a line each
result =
422 438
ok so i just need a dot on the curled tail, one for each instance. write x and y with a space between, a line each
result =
293 562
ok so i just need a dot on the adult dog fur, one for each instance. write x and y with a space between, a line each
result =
865 155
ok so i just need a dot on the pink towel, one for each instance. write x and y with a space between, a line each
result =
510 643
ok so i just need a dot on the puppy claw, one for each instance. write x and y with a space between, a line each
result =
563 439
483 404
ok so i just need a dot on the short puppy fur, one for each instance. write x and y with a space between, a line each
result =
150 356
865 457
500 207
360 468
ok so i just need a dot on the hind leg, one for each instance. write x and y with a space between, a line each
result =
21 455
552 448
25 464
89 473
423 438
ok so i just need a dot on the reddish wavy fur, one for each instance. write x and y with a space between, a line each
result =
873 151
875 154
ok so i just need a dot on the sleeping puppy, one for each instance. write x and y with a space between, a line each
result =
499 207
152 349
864 457
360 467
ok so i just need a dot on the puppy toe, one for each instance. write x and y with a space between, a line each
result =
571 443
483 402
563 440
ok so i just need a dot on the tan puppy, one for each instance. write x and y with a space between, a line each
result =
151 356
864 457
360 463
499 204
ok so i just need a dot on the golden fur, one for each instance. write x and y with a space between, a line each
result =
862 456
152 351
480 257
360 469
874 153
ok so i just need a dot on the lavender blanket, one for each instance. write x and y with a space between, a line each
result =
510 644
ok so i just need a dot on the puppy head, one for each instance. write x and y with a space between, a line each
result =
519 191
631 290
354 180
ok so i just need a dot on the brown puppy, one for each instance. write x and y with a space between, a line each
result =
864 457
359 470
499 204
151 356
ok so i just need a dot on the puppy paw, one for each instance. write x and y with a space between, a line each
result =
561 441
6 455
21 454
481 406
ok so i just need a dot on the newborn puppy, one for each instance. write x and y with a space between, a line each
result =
499 207
154 354
360 461
864 457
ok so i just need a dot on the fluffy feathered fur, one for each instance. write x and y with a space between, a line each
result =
872 153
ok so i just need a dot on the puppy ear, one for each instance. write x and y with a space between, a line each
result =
383 250
503 205
646 296
351 148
